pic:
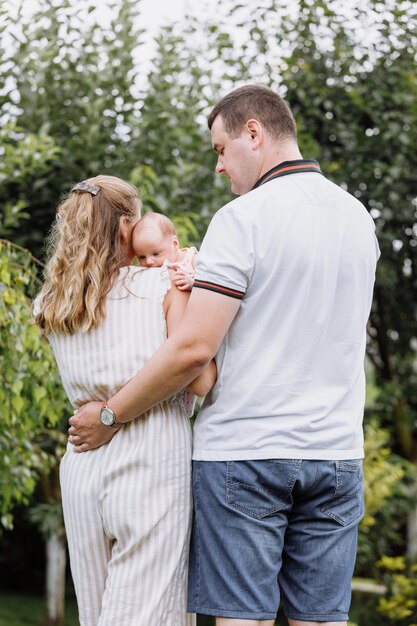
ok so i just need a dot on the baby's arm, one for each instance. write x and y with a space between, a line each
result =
184 271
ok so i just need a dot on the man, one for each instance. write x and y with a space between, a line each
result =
282 295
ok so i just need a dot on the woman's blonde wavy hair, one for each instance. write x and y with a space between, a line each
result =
85 251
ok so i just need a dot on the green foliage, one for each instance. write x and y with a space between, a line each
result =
400 603
79 81
72 77
177 161
24 158
388 479
48 517
31 395
382 472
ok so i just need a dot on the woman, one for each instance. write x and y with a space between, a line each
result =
127 504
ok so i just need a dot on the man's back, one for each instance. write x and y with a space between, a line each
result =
291 381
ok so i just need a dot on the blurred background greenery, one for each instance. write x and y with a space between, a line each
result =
76 100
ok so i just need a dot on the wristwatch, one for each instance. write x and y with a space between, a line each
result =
108 416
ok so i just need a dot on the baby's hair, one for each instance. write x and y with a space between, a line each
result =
165 225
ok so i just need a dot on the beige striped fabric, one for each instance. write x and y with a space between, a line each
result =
127 504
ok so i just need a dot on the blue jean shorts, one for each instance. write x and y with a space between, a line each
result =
271 529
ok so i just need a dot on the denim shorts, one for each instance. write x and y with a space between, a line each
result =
274 528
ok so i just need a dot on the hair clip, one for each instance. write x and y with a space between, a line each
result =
83 186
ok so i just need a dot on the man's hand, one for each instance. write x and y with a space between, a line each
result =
86 432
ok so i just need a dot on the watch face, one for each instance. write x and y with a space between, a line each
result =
107 416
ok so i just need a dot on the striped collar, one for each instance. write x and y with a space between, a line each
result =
289 167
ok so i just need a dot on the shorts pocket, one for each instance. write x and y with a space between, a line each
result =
260 488
346 504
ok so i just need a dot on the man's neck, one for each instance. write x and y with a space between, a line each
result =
287 152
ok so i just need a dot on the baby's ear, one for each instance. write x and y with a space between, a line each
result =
176 242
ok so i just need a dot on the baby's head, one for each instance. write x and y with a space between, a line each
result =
154 239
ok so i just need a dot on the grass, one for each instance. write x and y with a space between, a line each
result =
18 609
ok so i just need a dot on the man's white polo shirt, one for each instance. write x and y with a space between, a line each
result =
300 253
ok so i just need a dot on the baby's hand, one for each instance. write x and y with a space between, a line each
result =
173 266
184 281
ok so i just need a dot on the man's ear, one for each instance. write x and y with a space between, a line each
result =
256 133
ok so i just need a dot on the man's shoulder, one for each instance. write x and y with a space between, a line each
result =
241 204
232 205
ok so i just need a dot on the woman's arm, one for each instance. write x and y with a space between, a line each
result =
201 385
174 308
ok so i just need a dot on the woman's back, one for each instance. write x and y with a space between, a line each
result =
95 364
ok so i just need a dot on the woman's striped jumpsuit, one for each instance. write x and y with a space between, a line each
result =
127 504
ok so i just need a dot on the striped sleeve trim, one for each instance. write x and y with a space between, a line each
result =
226 291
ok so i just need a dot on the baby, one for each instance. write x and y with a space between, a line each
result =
154 241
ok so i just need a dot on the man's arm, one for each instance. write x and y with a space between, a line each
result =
201 385
176 363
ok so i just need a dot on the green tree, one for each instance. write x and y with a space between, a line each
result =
31 395
349 74
24 158
173 147
72 77
387 500
399 606
34 403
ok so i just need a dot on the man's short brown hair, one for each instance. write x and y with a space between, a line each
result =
255 102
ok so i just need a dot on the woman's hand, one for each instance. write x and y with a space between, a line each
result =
86 432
